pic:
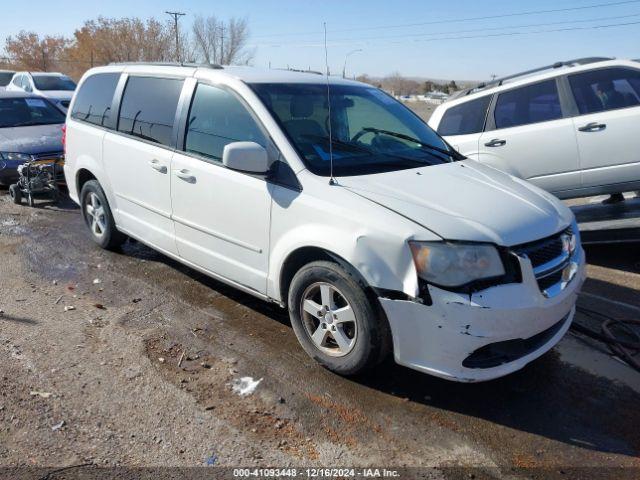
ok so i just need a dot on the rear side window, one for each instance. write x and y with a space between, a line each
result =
93 100
531 104
465 118
217 118
606 89
148 108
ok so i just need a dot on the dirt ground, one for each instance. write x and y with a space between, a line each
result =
141 372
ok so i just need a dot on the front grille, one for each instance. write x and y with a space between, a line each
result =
548 258
550 280
543 251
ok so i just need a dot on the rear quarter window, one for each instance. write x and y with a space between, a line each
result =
466 118
93 100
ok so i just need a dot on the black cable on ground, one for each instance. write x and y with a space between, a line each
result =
625 349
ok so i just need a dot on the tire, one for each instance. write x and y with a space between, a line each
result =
364 342
15 193
102 227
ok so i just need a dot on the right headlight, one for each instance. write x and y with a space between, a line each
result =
15 157
456 264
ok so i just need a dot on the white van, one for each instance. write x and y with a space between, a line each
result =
570 128
334 201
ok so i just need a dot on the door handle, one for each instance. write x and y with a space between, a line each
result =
185 175
156 165
593 127
496 142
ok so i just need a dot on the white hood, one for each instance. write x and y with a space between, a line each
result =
466 201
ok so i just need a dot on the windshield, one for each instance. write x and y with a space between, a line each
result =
23 112
5 78
53 82
371 132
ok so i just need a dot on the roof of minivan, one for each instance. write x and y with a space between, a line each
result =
244 73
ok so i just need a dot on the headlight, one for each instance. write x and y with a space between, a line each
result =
455 264
15 157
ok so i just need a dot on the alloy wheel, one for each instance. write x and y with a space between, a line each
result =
329 319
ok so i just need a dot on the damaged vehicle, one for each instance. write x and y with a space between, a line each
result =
30 130
332 199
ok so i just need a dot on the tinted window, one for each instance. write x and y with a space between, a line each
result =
22 112
216 119
53 82
465 118
531 104
607 89
93 100
149 107
5 78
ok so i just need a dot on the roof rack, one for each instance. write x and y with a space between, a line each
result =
500 81
213 66
298 70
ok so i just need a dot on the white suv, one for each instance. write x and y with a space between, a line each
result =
570 128
56 87
362 221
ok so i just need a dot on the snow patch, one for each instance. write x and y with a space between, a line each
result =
245 386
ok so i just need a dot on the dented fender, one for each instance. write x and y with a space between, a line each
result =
375 243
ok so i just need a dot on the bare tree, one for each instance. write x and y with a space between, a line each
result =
29 51
217 41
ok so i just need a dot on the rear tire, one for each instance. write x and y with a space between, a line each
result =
98 217
15 193
334 319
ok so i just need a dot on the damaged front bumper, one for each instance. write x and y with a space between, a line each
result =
486 334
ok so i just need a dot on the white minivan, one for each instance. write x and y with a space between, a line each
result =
333 200
570 128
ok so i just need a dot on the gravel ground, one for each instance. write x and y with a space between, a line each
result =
145 371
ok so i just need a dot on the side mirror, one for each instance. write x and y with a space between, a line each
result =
246 157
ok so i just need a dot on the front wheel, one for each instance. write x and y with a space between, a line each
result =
334 320
97 215
16 194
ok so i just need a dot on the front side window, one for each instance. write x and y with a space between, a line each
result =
53 82
217 118
606 89
93 100
26 112
371 132
466 118
148 108
531 104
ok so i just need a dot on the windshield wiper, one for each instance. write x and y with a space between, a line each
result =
341 143
361 148
450 153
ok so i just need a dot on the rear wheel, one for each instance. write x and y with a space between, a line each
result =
15 193
98 218
334 320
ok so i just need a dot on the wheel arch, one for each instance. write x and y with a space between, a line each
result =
83 176
305 255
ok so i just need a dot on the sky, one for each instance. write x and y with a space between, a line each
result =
419 38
